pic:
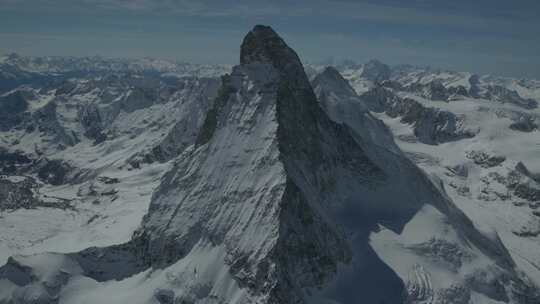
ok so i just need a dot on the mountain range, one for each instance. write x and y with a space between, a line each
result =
270 181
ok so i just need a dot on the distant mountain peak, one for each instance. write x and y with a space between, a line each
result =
330 76
376 71
331 71
277 191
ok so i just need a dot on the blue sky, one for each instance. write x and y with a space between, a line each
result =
498 37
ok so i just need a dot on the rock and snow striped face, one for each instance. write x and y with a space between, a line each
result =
275 192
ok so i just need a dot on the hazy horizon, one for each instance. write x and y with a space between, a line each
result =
487 37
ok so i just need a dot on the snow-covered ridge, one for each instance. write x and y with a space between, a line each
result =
438 84
272 190
59 64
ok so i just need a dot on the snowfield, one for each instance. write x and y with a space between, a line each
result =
149 181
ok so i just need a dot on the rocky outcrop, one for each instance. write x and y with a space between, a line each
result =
92 123
521 168
341 103
54 172
375 71
47 121
275 201
14 162
433 90
504 95
431 125
498 93
187 129
443 251
524 124
448 86
12 110
293 239
22 192
484 159
18 193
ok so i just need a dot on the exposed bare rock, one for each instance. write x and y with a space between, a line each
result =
484 159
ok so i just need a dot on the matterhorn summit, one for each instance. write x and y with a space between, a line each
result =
289 192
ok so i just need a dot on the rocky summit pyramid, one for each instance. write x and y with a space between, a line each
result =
286 196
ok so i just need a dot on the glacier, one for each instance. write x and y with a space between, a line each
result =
265 185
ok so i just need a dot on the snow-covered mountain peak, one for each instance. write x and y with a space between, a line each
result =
267 190
376 71
262 44
331 77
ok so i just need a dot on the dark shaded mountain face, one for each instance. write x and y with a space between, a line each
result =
284 192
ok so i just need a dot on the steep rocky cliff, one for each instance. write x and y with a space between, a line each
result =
284 196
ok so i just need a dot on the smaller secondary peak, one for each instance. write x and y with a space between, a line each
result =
332 72
376 71
331 79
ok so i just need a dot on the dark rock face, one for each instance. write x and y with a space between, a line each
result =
54 172
187 130
443 251
504 95
485 283
301 144
19 274
140 98
521 168
437 91
110 263
343 105
46 119
280 189
376 71
65 88
90 119
527 190
484 159
164 296
455 294
474 82
16 195
12 163
520 181
434 90
210 123
263 45
12 110
458 90
379 98
499 93
431 125
332 78
524 124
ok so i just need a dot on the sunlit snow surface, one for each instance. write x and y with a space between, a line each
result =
495 137
396 249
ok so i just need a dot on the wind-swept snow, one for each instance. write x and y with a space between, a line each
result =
263 188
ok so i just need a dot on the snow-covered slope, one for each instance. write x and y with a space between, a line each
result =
443 85
91 149
82 157
492 174
16 70
274 192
